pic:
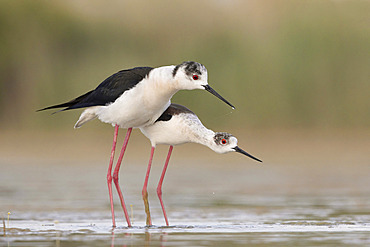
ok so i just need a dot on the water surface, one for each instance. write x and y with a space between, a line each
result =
53 203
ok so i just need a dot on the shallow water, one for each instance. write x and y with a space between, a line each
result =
208 204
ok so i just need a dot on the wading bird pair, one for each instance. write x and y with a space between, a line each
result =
140 98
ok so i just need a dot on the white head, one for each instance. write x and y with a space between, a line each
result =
192 75
225 143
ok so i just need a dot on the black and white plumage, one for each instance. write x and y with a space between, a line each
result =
178 125
135 98
107 91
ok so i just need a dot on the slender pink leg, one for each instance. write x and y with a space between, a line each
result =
109 175
145 192
159 188
115 175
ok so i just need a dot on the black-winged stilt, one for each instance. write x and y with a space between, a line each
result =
178 125
135 98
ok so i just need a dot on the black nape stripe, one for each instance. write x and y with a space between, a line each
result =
175 70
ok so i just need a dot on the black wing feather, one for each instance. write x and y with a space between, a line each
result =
166 116
173 109
107 91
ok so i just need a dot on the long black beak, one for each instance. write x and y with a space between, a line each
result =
239 150
212 91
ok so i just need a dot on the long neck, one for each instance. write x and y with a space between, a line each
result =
201 134
158 92
163 85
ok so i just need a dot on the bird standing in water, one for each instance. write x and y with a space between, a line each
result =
135 98
178 125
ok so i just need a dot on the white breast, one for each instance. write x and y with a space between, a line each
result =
141 105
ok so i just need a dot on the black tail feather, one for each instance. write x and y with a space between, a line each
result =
69 105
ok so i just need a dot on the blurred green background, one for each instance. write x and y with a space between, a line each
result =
283 64
298 73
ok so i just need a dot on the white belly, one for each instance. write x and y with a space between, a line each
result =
135 108
139 106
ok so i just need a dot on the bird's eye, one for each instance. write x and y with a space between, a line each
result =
195 77
223 141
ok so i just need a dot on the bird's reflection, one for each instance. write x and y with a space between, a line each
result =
148 238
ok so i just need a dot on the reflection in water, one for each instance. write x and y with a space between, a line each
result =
57 239
126 239
312 205
147 238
